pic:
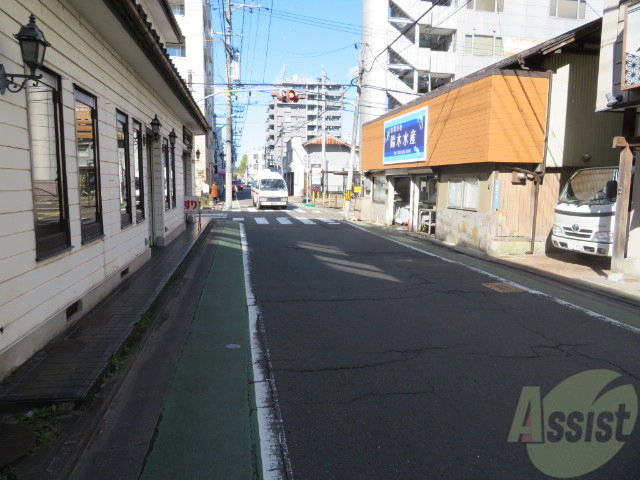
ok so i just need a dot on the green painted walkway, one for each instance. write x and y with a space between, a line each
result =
207 428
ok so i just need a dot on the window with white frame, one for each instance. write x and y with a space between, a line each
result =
486 5
483 45
568 8
463 193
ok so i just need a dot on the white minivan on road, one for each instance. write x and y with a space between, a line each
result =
269 190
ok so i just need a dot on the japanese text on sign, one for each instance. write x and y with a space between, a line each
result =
405 138
191 204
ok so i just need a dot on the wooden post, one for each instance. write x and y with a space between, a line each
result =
621 225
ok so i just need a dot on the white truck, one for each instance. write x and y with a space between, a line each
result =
269 190
585 212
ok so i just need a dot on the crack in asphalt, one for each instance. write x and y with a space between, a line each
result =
409 354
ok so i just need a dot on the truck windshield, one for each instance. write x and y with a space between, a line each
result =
272 184
589 186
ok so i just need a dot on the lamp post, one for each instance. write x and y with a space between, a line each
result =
32 47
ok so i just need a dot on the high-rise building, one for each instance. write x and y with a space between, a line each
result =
413 47
319 109
194 61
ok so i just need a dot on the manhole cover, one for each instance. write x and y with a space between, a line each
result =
503 287
15 441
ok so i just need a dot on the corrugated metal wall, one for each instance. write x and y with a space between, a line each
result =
574 127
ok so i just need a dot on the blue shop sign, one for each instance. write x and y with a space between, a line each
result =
405 138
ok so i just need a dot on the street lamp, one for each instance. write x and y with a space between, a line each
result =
33 47
172 138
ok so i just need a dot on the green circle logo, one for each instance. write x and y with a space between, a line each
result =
579 426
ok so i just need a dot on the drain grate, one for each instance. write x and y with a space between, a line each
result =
503 287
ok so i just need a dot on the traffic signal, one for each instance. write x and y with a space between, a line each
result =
290 96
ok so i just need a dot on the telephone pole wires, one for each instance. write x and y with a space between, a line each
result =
229 127
354 139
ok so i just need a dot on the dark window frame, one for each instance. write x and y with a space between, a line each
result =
126 213
91 229
138 171
51 238
174 203
167 175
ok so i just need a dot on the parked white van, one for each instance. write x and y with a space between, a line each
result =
585 212
269 190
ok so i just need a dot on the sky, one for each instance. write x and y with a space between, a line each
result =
291 36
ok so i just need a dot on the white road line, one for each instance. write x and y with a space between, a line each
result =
262 221
328 220
252 209
239 219
306 221
557 300
284 220
276 463
299 210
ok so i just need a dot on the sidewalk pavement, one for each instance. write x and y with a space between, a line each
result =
72 364
67 369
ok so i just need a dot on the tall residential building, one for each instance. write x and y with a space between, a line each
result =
194 61
319 109
412 47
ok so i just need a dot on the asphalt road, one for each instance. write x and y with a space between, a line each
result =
394 363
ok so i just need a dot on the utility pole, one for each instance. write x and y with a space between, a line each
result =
324 135
229 130
228 141
354 138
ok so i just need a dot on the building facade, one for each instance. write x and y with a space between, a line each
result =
96 161
194 60
319 108
496 148
411 48
255 163
618 95
326 156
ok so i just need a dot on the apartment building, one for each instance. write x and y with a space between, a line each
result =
412 47
318 109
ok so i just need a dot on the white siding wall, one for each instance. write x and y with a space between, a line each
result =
33 292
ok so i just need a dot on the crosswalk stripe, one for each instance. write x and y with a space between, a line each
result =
306 221
284 220
262 221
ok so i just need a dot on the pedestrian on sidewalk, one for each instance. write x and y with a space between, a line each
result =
205 190
234 191
215 193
